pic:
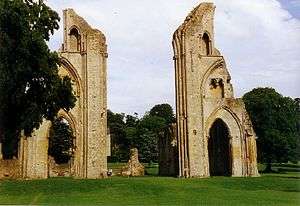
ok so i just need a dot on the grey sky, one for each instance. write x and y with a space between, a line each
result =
260 40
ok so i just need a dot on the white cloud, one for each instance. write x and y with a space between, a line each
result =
265 50
259 39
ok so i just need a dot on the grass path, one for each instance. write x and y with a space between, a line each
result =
266 190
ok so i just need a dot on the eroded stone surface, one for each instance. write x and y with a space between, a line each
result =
10 169
206 109
59 170
133 167
83 58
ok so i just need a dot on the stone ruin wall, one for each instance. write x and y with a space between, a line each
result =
83 58
10 169
203 94
90 63
133 167
59 170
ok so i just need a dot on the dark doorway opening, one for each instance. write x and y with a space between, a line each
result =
219 149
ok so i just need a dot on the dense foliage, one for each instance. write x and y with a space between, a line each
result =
143 133
276 122
163 110
30 88
61 141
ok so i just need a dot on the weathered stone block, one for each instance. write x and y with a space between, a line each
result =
133 167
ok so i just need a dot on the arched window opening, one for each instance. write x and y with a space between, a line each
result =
206 44
61 141
75 40
216 88
219 149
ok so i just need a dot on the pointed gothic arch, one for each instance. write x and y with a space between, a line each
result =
235 137
205 44
73 74
219 152
75 39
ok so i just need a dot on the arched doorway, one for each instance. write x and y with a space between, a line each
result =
61 148
219 149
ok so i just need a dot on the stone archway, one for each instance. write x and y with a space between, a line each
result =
61 146
84 62
235 138
204 93
219 149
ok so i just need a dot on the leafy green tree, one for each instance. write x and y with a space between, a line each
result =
30 87
131 131
132 121
148 147
148 131
153 123
128 131
165 111
61 141
119 144
276 122
152 127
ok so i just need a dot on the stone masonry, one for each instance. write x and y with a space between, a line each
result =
215 134
83 58
133 167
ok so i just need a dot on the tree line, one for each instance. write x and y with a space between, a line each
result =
275 118
128 131
276 122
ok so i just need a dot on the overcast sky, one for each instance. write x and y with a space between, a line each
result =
260 40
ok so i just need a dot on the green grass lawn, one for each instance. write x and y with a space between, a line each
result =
269 189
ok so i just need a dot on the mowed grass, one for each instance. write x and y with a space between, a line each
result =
269 189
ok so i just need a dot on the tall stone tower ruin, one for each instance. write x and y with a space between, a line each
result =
83 58
83 55
215 134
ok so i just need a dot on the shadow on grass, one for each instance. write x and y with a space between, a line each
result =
290 165
286 177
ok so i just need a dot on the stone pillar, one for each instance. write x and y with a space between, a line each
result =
36 154
89 66
133 167
96 109
253 171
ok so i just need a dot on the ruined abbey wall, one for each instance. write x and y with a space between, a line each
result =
213 134
85 52
83 58
204 94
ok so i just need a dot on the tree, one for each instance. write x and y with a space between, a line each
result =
148 132
152 127
119 144
30 87
129 131
165 111
276 122
132 121
61 140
